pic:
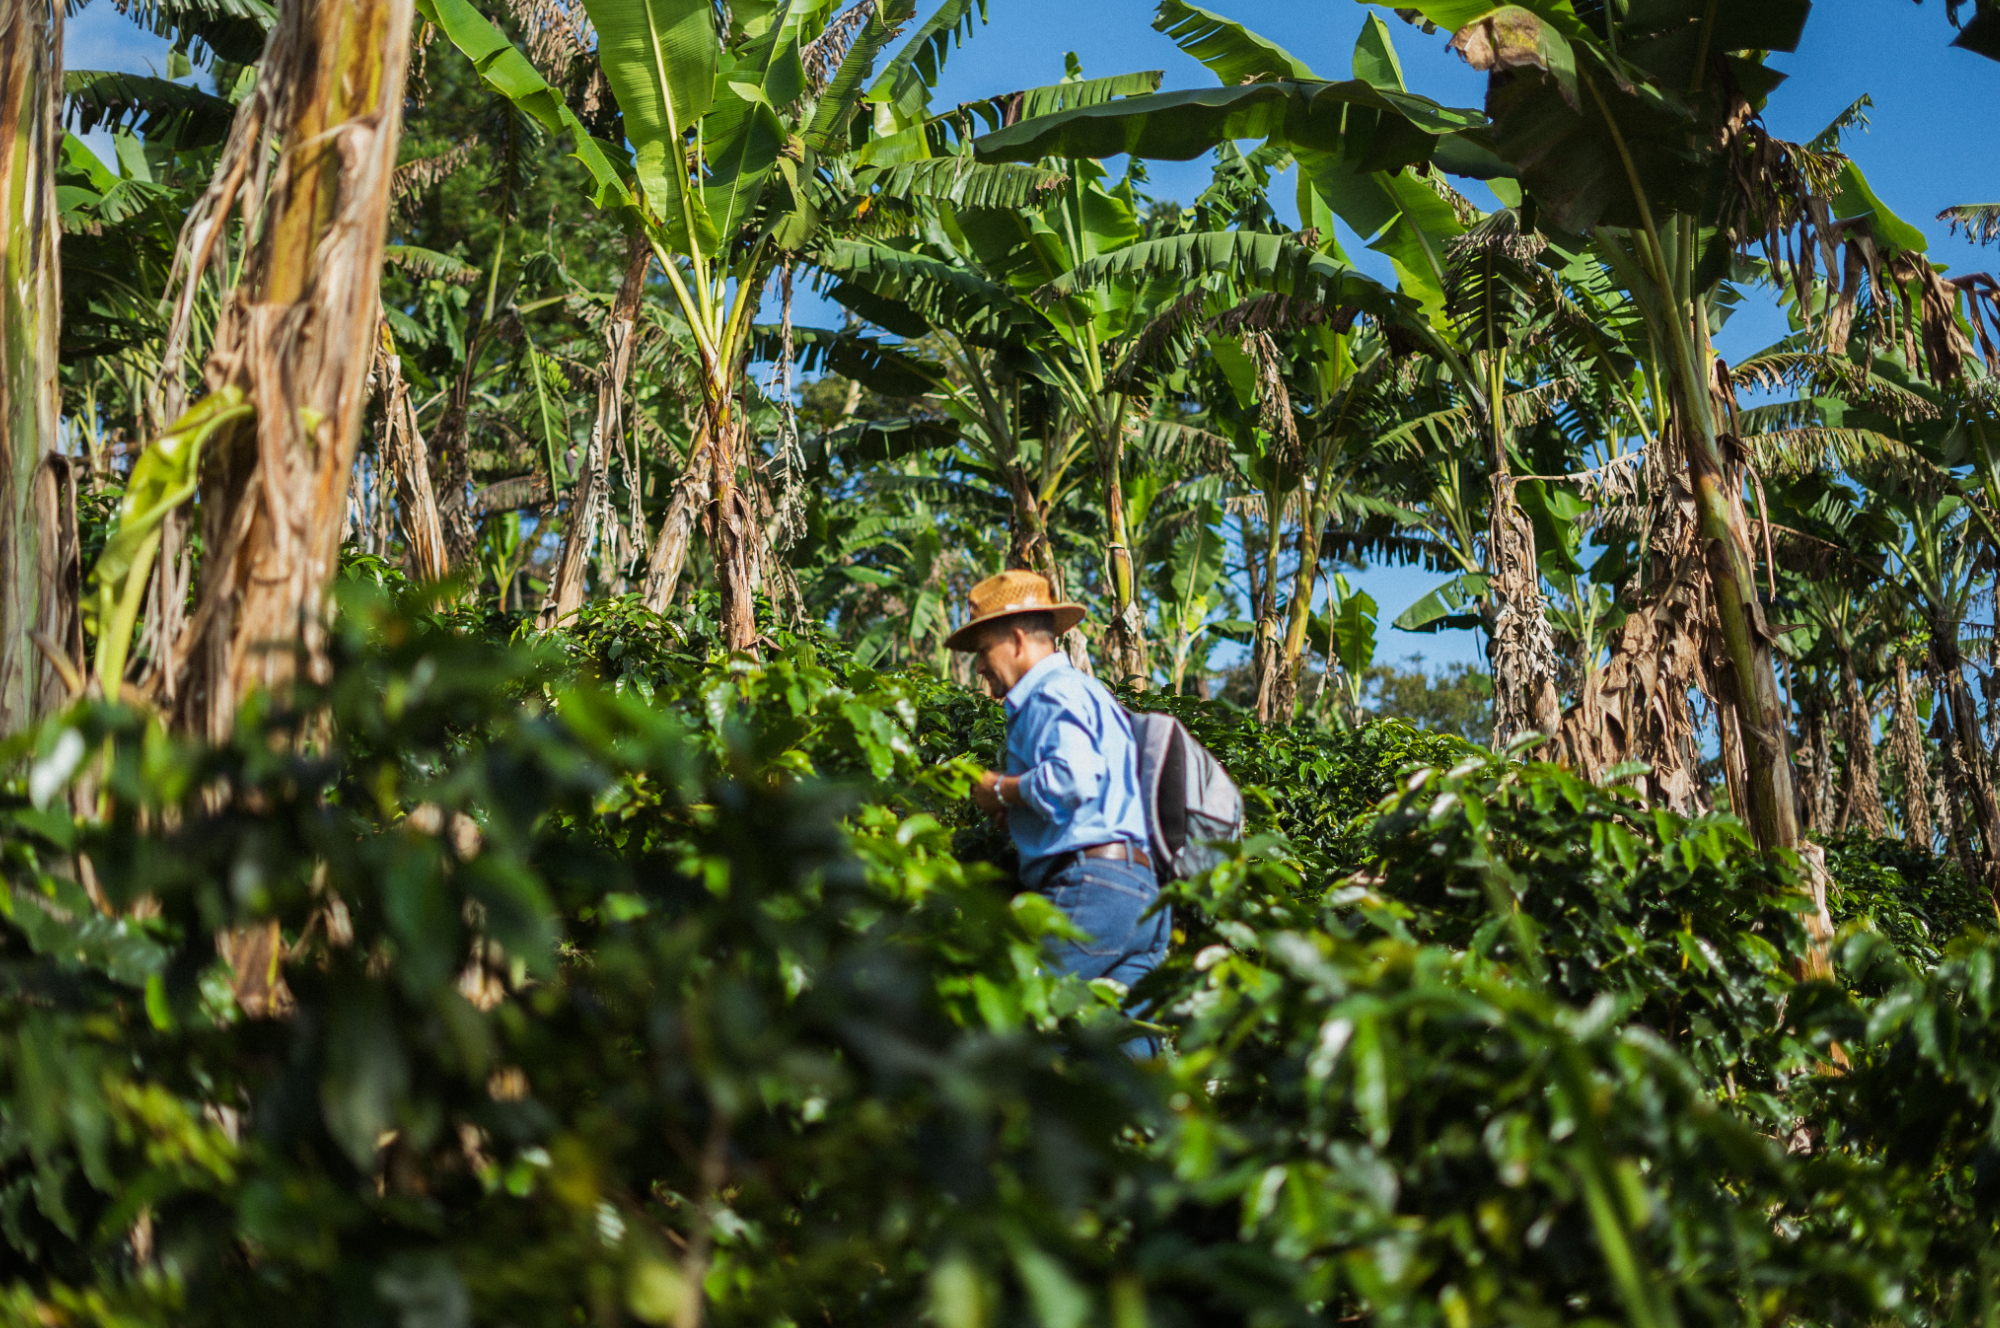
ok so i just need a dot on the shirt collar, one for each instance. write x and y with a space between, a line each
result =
1031 681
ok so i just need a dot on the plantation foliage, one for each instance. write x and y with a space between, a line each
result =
606 971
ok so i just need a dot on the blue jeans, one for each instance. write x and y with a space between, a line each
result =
1108 899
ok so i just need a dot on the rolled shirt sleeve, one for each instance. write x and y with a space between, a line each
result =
1071 747
1071 772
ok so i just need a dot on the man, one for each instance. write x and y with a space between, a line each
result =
1070 792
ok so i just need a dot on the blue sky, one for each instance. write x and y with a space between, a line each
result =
1928 147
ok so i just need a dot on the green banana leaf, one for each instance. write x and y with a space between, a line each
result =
660 57
1251 259
1440 609
1231 51
507 72
1378 130
905 83
964 182
879 368
1351 631
152 107
892 440
165 476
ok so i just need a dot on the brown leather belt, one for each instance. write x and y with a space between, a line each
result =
1118 852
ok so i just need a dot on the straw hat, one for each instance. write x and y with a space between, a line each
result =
1010 593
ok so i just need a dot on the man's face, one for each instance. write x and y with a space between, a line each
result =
1004 657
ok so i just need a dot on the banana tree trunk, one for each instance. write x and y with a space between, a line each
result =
1636 707
1976 778
1274 698
1861 787
670 548
59 574
1125 634
30 305
1298 614
1748 684
592 494
733 532
1723 526
296 337
708 493
1815 770
1956 789
1906 744
1028 547
402 449
450 460
1746 638
1519 644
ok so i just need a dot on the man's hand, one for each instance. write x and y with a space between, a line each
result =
995 793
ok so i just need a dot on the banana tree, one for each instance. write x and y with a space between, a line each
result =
1617 130
1186 587
1301 397
1946 532
32 579
1346 642
1030 372
288 365
1367 131
739 124
591 500
981 398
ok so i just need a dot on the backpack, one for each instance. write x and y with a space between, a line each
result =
1190 799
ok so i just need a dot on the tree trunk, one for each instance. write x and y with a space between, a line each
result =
670 549
1274 698
1956 788
591 497
1815 769
402 452
30 305
1977 780
59 573
1124 641
1298 613
708 491
1636 707
731 527
451 461
1861 786
1519 644
1029 549
295 337
1724 528
1906 745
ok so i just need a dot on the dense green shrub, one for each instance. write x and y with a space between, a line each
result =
1920 902
611 968
578 987
1410 1133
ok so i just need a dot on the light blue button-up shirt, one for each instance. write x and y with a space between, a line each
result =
1071 745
